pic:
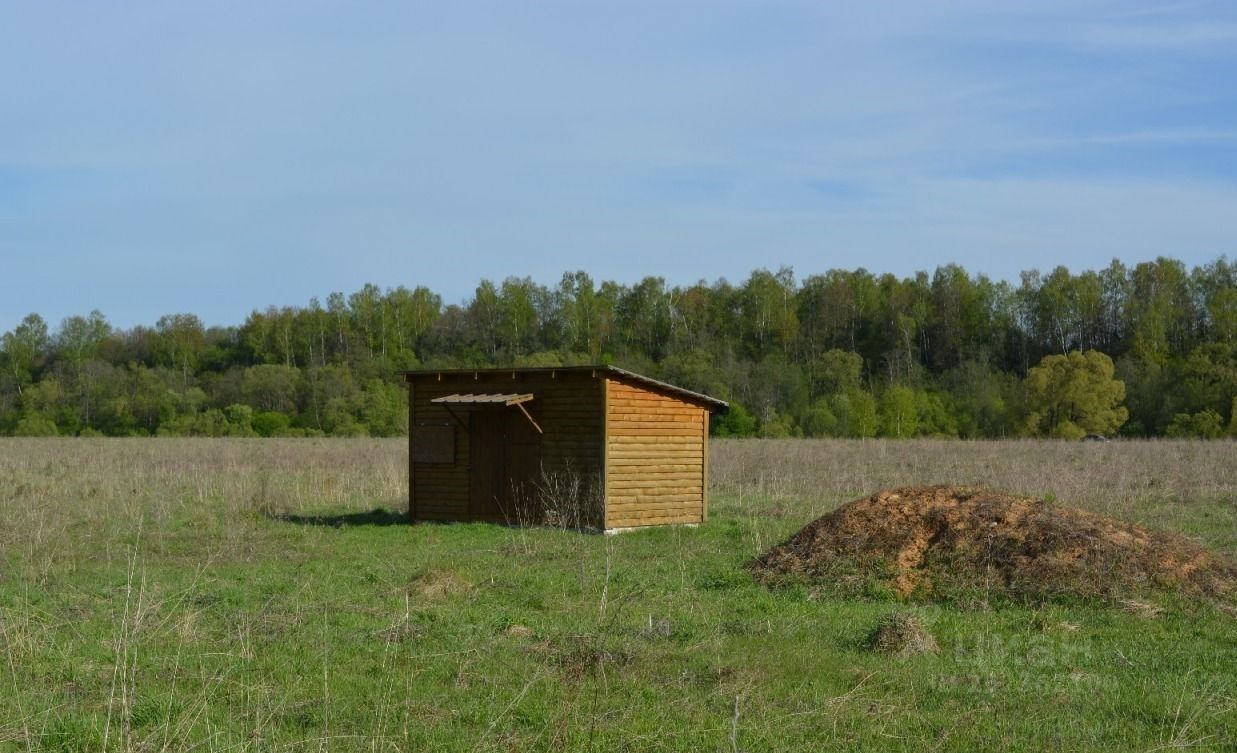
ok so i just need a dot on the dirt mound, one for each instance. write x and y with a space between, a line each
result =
941 540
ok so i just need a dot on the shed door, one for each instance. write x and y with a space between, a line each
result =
504 452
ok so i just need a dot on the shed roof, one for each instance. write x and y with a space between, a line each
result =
613 372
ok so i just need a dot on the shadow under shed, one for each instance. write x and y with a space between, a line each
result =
375 517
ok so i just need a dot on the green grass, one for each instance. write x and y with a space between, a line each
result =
152 599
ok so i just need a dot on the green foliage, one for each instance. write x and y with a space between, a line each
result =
80 337
1153 393
1073 395
384 409
835 371
777 386
271 387
339 420
696 370
239 420
985 401
767 303
899 412
1209 378
181 341
819 420
22 348
856 414
843 353
35 425
737 422
779 426
936 416
271 424
1206 424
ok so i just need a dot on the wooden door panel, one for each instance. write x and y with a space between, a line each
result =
484 464
504 466
522 466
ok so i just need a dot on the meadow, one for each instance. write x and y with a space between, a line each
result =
267 595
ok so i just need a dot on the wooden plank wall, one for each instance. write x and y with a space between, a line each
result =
655 458
567 406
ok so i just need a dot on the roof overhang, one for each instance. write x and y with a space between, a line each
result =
484 399
505 399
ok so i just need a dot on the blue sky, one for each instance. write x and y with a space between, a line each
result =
219 157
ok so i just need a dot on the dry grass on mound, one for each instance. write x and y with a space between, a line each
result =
902 635
931 541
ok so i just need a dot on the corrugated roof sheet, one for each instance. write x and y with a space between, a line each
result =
485 398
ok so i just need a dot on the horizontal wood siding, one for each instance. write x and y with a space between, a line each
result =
654 458
567 407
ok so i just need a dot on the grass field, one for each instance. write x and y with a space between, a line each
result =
264 595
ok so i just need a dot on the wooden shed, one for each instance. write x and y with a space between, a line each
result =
588 446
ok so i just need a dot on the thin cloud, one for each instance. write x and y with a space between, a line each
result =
1191 37
1165 136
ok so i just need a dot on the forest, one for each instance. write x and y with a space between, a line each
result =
1148 350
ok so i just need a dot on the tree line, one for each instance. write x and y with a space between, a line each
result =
1148 350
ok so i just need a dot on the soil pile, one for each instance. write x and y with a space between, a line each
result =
943 540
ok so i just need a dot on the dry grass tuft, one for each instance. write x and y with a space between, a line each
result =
519 631
902 635
1143 609
440 584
